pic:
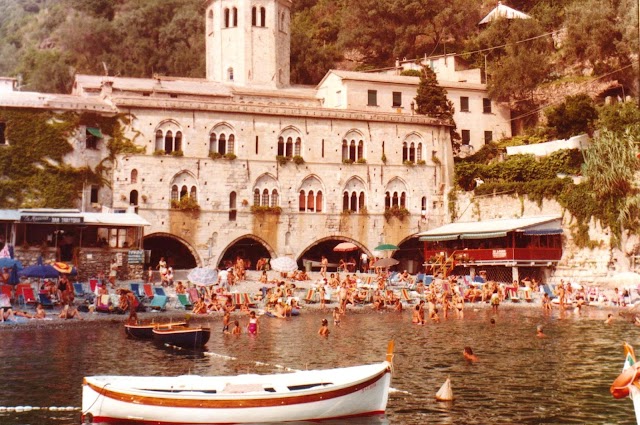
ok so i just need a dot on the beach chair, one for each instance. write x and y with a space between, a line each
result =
428 279
547 290
194 296
311 296
159 290
513 295
405 296
7 290
183 302
45 300
78 290
93 284
148 291
159 302
25 295
103 304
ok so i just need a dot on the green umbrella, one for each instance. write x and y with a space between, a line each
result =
386 247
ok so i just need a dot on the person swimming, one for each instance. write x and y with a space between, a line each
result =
468 355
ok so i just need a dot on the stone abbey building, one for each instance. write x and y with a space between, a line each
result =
243 163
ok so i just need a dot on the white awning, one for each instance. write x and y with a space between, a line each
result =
493 228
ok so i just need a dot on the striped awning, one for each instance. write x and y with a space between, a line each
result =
487 235
438 238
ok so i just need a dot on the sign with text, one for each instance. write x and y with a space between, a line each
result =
50 219
136 257
499 253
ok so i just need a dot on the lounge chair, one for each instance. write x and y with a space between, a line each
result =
159 290
93 284
513 295
45 300
311 296
103 304
194 296
183 302
7 290
159 302
25 295
148 291
78 290
405 296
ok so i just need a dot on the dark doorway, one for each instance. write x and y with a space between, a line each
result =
175 252
250 250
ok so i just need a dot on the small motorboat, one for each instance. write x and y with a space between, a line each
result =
182 336
627 384
145 331
309 395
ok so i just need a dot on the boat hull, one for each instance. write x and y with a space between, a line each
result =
146 331
182 336
201 400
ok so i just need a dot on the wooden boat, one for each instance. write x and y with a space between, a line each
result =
145 331
298 396
627 384
182 336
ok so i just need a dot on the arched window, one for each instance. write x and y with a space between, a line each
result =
133 197
256 197
412 153
222 144
282 21
230 74
183 192
361 201
232 199
174 193
134 176
159 140
302 202
289 152
254 16
345 201
403 200
168 142
352 150
394 200
265 198
405 152
177 143
345 150
263 17
231 145
266 191
354 201
352 147
311 201
419 152
193 194
226 17
213 143
235 17
387 201
298 147
360 150
280 146
319 201
412 148
274 198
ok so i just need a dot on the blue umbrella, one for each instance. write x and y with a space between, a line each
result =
10 262
42 271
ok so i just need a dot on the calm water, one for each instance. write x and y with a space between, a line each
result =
519 379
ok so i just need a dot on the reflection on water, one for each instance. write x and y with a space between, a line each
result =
519 379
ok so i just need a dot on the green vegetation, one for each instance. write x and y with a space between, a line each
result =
398 212
33 172
263 209
185 203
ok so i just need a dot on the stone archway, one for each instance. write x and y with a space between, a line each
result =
251 248
178 252
324 246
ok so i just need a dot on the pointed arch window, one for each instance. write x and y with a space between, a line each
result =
168 142
213 143
274 198
298 147
302 201
177 143
289 152
193 193
405 152
222 144
256 197
281 146
174 193
403 200
412 153
183 192
231 144
387 201
159 140
265 197
419 152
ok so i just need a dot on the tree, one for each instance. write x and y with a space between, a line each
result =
575 115
431 100
619 118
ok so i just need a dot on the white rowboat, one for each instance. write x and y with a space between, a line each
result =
190 399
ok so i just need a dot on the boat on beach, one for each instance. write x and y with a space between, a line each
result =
182 336
627 384
145 330
310 395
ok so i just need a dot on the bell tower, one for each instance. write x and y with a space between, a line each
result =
248 42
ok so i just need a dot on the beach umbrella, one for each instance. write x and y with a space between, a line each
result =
386 247
283 264
345 247
10 262
63 267
41 271
386 262
203 276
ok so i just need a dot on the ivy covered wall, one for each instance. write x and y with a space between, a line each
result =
32 169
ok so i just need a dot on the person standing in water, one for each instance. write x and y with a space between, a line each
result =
324 328
252 327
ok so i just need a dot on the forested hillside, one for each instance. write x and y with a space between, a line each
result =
46 42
